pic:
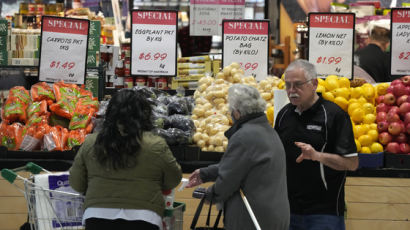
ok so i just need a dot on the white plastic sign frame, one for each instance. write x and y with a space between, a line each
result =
400 41
63 49
247 43
331 43
154 33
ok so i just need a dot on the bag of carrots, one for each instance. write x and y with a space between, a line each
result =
42 91
81 118
14 110
64 107
33 135
64 90
55 139
21 93
90 102
11 135
75 137
37 107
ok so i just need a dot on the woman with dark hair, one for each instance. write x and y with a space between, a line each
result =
123 169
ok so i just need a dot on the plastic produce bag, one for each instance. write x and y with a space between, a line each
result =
75 138
64 107
21 93
33 135
37 107
81 118
14 110
42 91
55 139
64 90
174 136
181 122
102 108
178 105
11 135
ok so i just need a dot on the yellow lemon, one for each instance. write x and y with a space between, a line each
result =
269 114
368 108
352 100
382 88
376 147
366 149
281 84
356 92
341 102
352 107
366 127
365 140
320 89
331 84
368 92
358 145
373 134
362 100
320 81
369 118
357 115
373 126
344 82
359 130
282 77
332 77
328 96
342 92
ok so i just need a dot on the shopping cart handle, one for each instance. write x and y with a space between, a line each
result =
9 175
33 168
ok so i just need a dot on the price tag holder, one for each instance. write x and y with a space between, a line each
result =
246 42
331 43
400 41
154 42
204 17
63 49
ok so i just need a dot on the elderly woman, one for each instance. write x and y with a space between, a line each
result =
254 163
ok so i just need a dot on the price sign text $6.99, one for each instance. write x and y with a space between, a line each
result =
155 57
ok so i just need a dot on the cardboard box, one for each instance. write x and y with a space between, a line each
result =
93 58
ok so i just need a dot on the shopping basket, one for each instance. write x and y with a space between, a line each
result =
51 207
174 218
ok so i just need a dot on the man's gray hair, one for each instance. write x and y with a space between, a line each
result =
308 68
245 99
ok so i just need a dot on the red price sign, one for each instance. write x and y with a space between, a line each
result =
328 60
62 65
404 55
248 65
155 57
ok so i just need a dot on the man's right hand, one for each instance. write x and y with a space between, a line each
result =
194 179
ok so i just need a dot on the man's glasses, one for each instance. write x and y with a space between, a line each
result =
296 85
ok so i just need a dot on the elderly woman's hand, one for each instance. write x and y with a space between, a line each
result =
194 179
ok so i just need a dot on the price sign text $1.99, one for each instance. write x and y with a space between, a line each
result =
329 60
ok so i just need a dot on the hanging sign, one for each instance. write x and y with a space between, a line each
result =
154 42
247 42
331 43
204 17
207 15
400 41
63 49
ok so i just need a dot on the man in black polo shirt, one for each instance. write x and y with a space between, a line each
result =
319 144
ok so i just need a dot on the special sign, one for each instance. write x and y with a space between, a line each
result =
331 43
400 41
246 42
153 42
63 50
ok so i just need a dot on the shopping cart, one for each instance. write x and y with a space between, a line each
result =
49 208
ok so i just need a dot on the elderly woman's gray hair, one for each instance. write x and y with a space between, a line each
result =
308 68
245 99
